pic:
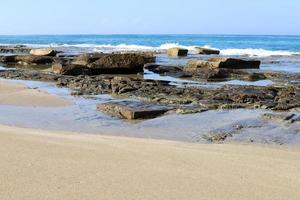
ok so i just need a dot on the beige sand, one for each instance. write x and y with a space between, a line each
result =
20 95
38 165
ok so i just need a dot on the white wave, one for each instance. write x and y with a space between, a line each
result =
256 52
127 47
162 48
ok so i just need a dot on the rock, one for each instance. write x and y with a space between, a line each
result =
124 63
26 60
217 137
233 63
207 72
43 52
29 59
70 69
226 63
175 52
195 64
133 110
281 117
148 56
17 49
99 63
163 69
280 96
206 51
8 59
86 59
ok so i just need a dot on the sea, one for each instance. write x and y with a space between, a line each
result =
277 52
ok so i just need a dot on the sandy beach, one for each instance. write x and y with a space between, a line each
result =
40 164
20 95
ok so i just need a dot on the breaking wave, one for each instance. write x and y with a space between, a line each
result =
162 48
257 52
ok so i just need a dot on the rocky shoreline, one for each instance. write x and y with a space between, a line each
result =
121 74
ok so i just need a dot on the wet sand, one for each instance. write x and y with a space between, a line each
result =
37 164
20 95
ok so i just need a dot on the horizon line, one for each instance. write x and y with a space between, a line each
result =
171 34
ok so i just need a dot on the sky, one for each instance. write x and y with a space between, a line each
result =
270 17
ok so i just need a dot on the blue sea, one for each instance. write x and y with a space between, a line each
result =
277 52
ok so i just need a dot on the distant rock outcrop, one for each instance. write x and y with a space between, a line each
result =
176 51
206 51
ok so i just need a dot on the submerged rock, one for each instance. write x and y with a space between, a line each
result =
206 51
43 52
176 52
133 110
217 137
282 117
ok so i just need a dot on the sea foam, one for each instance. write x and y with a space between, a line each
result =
162 48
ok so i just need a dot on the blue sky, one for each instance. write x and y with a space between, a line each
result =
150 17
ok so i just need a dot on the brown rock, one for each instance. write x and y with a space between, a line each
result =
29 59
133 110
70 69
195 64
124 63
175 52
86 59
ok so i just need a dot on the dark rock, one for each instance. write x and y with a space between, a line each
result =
133 110
164 69
275 97
206 51
26 59
8 59
232 63
17 49
227 63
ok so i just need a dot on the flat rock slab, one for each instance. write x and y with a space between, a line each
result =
131 110
225 63
206 51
